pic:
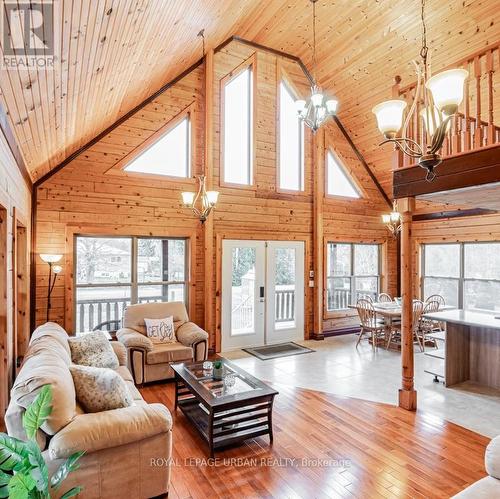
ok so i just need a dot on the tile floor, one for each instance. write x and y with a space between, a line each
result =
338 367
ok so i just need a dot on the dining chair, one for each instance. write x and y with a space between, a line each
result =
365 297
428 326
368 322
384 298
418 308
439 298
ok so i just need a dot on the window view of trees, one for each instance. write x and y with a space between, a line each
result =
105 283
467 275
353 270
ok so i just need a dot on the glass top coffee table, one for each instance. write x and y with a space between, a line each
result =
225 412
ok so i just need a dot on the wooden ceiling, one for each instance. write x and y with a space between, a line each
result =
114 54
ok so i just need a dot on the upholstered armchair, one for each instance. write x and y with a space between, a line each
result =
150 361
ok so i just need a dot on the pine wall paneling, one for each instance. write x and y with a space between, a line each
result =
90 194
15 206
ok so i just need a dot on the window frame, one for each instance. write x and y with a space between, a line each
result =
282 77
189 113
461 278
348 174
250 63
134 283
332 312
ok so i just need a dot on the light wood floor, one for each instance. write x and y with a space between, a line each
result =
367 450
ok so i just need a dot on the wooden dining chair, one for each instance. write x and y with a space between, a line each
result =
418 308
368 322
428 326
384 298
439 298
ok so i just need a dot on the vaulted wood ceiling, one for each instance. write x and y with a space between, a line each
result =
113 54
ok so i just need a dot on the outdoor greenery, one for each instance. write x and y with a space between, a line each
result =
23 471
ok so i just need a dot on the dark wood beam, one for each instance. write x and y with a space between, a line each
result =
473 168
439 215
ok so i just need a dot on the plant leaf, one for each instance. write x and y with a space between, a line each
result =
38 411
12 452
20 485
4 482
38 467
71 492
71 464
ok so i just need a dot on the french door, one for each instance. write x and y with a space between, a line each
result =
262 292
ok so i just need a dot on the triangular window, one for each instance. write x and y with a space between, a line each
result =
339 182
168 154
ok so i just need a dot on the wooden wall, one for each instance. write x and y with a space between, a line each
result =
15 208
87 197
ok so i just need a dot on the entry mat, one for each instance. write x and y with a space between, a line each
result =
274 351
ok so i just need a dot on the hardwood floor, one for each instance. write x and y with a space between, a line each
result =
362 449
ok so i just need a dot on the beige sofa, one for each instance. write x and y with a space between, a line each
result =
150 361
127 450
489 486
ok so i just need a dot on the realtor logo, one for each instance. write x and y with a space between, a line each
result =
28 35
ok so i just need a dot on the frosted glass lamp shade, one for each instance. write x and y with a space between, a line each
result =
317 99
57 269
300 105
188 198
331 105
386 218
389 117
50 258
394 216
212 197
448 89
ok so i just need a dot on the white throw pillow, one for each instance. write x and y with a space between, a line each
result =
160 330
93 349
100 389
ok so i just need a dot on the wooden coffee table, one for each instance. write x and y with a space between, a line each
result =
224 415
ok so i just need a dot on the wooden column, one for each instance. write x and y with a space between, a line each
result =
407 393
208 238
318 200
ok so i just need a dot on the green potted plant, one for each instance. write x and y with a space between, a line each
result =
23 471
218 369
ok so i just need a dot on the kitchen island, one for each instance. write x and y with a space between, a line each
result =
472 347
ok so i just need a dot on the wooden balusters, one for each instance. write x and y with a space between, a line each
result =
478 137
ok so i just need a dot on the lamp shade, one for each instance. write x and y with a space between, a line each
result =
389 116
394 216
50 258
300 105
57 269
212 197
317 99
386 218
331 105
448 89
188 198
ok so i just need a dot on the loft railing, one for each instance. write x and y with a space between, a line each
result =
473 127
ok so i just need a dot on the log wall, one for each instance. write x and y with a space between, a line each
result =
89 196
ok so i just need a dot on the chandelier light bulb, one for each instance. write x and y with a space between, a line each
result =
447 89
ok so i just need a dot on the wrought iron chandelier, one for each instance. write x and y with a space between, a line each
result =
319 108
392 221
208 200
442 94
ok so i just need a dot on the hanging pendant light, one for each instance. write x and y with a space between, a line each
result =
319 107
442 94
208 200
392 221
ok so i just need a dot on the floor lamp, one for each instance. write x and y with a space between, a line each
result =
53 271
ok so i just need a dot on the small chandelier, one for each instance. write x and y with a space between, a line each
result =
442 94
208 200
319 108
392 221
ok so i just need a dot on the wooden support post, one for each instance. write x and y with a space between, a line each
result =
407 393
209 223
319 250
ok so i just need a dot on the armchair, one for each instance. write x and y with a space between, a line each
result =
150 361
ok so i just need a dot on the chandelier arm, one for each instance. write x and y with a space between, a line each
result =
439 136
402 144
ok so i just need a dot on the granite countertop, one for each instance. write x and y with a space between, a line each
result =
467 318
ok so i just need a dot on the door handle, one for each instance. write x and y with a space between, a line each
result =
261 293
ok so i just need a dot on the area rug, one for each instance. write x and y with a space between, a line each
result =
274 351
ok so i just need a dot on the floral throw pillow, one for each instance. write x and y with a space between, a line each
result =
160 330
100 389
93 349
